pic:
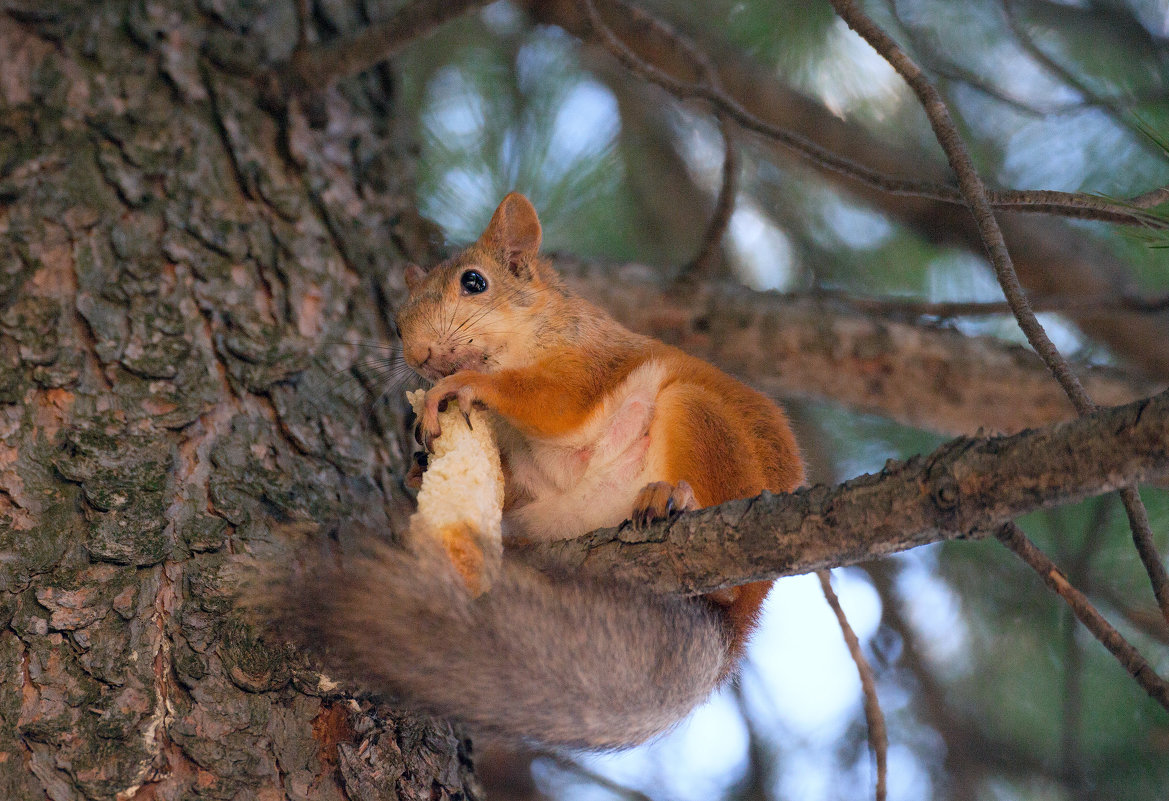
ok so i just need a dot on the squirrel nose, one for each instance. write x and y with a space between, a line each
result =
417 354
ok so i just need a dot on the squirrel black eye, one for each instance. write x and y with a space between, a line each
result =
473 282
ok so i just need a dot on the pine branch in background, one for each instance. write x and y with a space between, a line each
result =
1153 237
1117 111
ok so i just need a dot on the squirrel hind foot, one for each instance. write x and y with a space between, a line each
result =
661 500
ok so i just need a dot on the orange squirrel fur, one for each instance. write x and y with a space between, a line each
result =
596 425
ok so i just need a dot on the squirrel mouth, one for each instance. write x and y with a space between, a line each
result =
434 369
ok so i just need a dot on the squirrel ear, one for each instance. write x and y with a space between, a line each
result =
513 233
414 275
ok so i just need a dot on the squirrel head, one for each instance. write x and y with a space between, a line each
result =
486 308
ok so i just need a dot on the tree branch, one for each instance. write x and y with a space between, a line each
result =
874 717
724 207
1010 536
791 346
946 69
1121 116
965 489
315 67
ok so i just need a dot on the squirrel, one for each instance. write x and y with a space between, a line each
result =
596 425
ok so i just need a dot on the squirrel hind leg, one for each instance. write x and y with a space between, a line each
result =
660 500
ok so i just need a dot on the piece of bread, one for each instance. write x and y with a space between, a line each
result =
460 503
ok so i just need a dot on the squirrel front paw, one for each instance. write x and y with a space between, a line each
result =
457 387
660 500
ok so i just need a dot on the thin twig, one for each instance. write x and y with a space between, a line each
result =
1119 114
1067 204
1158 689
874 717
724 207
972 188
949 70
725 204
1142 537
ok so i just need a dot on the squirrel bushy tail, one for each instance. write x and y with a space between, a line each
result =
559 662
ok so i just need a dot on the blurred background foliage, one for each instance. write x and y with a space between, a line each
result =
991 689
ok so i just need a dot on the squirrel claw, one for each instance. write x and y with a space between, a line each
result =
455 387
661 500
429 429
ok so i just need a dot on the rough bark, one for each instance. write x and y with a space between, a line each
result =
1051 257
929 377
171 257
965 489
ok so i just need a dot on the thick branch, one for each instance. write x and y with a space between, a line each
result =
933 378
967 488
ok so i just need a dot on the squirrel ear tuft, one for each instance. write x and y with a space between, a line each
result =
514 234
414 275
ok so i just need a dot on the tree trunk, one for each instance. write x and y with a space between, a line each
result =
173 259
